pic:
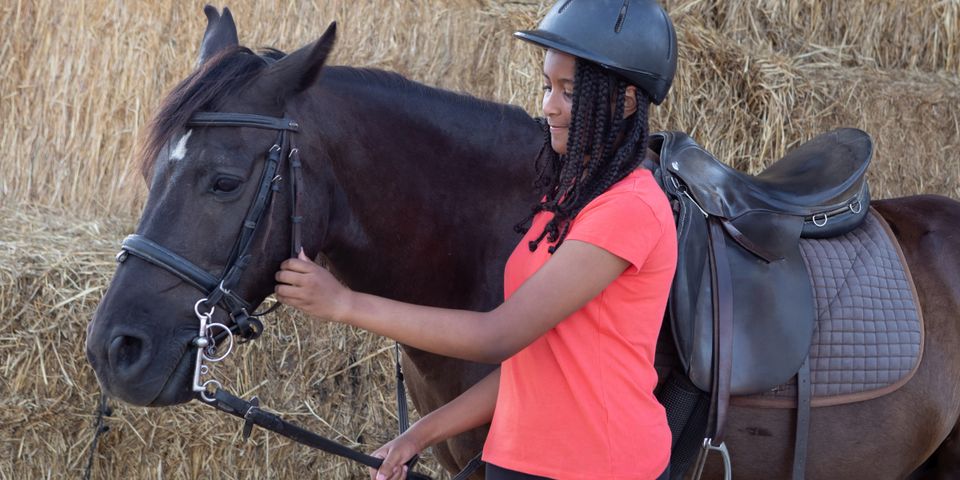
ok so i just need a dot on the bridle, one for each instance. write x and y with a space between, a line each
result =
219 291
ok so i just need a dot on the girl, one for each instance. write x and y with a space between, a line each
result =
585 289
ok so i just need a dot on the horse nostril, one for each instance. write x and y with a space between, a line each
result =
125 351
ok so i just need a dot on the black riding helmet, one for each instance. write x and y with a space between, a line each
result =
634 38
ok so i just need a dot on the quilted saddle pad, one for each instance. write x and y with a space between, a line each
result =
868 339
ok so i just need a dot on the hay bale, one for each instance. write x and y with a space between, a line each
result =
749 104
889 34
82 78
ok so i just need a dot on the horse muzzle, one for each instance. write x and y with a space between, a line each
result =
140 368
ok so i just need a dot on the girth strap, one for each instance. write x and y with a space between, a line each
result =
803 421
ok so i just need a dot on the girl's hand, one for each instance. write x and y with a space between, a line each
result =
395 454
311 289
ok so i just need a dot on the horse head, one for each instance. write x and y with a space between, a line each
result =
199 235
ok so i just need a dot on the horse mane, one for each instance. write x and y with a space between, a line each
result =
394 81
234 68
219 77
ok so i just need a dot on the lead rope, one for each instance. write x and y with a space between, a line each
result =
403 418
103 410
252 414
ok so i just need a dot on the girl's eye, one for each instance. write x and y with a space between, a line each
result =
566 94
226 184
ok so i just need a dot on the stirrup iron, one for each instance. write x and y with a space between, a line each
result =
705 452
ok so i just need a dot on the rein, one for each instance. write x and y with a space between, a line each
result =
219 291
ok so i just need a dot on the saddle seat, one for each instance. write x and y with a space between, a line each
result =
819 180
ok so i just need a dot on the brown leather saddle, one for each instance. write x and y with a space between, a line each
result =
741 306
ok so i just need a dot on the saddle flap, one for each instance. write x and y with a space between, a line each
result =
773 316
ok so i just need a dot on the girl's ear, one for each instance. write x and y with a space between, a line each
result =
630 101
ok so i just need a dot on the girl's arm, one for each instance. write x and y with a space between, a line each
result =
576 273
470 410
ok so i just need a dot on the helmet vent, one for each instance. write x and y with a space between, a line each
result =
563 7
622 16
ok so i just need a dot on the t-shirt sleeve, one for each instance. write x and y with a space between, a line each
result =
621 223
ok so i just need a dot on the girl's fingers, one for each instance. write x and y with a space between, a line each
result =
287 292
289 277
389 469
397 473
381 454
298 265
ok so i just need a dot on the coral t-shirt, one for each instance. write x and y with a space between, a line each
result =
578 402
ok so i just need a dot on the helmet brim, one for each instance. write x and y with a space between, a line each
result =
549 40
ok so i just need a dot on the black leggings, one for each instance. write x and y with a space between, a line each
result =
497 473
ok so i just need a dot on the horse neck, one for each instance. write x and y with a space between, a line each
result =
424 187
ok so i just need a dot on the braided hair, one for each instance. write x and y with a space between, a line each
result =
615 147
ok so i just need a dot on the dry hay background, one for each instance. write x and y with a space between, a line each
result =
79 79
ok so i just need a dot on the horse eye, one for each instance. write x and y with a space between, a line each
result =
226 184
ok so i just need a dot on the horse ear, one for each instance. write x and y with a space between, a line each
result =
299 70
221 33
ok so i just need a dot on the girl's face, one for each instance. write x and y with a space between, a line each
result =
558 73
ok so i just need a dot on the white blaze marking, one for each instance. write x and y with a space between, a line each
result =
180 150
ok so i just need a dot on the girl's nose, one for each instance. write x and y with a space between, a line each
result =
551 104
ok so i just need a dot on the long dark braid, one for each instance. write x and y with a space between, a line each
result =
566 182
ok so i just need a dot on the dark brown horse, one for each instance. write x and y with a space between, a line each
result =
412 193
